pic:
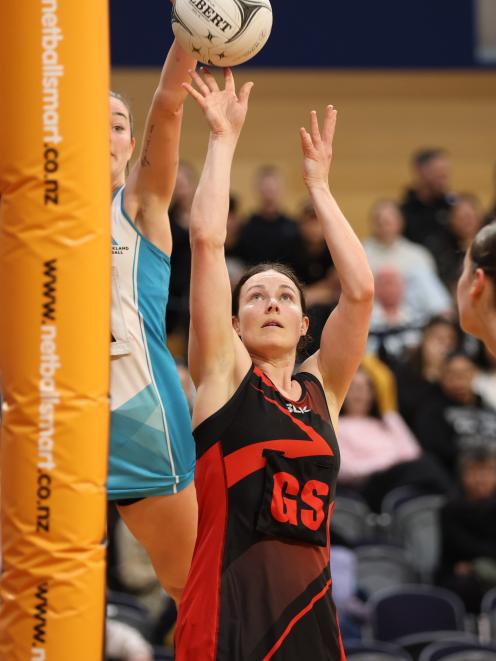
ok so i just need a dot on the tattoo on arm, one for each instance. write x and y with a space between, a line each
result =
144 159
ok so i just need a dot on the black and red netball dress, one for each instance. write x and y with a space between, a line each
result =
260 585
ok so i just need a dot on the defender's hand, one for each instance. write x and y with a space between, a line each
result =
224 110
317 147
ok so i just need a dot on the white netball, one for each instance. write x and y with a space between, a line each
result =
222 32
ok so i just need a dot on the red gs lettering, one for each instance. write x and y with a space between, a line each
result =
284 509
313 518
284 506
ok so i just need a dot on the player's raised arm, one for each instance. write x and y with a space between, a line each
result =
150 185
345 333
212 340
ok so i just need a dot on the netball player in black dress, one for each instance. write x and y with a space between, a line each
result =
260 586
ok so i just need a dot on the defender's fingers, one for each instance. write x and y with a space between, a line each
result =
244 92
199 98
314 128
329 125
209 79
306 140
230 85
199 82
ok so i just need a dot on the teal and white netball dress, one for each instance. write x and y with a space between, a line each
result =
151 445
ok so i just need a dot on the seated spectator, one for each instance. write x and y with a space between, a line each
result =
123 643
269 235
394 325
178 306
313 260
378 450
315 270
418 373
386 246
448 249
456 418
353 612
468 530
491 214
427 202
136 573
485 379
235 266
234 224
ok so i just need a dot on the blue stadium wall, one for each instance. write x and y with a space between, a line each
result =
322 33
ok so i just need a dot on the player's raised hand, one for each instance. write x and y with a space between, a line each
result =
317 147
224 109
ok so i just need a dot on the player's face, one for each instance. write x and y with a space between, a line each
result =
270 319
121 142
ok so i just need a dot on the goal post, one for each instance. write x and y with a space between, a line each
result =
54 327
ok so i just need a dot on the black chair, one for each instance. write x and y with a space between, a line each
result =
487 621
163 654
397 496
453 651
415 525
350 520
374 651
127 600
412 609
416 643
126 608
382 566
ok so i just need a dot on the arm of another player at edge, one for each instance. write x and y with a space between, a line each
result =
151 183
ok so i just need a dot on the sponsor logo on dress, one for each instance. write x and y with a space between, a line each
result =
297 409
118 249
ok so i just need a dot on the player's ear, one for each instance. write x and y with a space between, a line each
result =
479 282
235 323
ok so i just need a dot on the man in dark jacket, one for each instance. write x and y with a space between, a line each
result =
426 203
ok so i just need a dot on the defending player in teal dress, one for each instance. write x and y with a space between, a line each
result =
152 455
151 447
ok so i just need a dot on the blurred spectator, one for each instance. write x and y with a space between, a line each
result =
313 259
427 202
136 573
124 643
235 266
485 379
464 221
378 450
315 270
424 292
417 376
394 325
491 214
468 530
352 611
324 296
268 235
113 580
178 306
234 224
456 418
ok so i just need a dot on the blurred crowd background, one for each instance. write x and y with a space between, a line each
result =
414 529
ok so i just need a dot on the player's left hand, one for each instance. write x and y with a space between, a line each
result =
224 110
317 147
